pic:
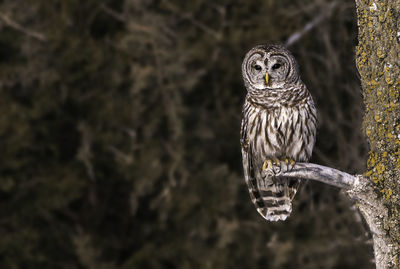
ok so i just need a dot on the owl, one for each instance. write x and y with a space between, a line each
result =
278 128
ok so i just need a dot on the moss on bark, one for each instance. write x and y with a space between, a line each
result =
378 54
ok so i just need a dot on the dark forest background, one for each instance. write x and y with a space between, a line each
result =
119 135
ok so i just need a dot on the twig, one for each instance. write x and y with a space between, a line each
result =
113 13
20 28
164 31
85 156
85 152
121 18
189 17
293 38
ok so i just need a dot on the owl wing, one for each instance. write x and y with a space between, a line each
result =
249 169
250 177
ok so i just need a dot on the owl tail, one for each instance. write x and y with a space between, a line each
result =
274 201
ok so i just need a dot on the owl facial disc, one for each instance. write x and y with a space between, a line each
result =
269 67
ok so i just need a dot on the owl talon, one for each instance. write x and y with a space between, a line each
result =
277 166
289 164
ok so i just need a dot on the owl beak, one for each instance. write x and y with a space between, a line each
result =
266 78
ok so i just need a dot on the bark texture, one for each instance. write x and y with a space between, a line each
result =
378 54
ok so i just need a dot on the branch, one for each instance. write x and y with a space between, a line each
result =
190 17
113 13
293 38
20 28
322 174
155 30
361 190
121 18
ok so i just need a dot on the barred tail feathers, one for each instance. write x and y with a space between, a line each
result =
274 202
271 196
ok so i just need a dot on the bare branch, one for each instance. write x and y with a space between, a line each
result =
361 190
113 13
156 30
85 156
121 18
11 23
293 38
322 174
189 17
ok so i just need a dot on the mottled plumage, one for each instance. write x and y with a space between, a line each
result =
279 122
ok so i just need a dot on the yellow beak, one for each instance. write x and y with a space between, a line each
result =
266 78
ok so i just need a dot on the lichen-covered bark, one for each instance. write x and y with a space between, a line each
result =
378 54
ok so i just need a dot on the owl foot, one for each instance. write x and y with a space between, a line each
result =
275 166
272 166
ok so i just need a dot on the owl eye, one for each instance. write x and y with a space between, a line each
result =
257 67
276 66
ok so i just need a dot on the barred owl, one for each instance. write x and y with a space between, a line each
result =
278 128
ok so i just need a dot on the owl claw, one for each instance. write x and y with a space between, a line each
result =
289 164
277 166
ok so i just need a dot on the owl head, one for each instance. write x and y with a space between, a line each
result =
268 67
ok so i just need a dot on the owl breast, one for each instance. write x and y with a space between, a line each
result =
283 132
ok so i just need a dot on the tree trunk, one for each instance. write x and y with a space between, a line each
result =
378 54
377 192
